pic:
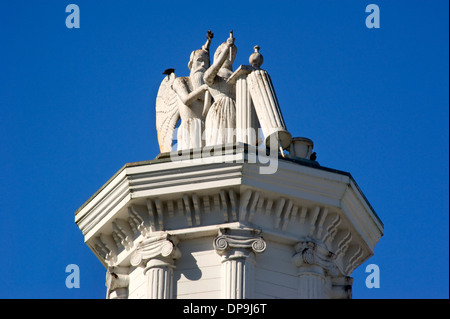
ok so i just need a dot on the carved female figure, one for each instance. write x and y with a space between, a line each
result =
220 121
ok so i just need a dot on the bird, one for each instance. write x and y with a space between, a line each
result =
313 156
169 71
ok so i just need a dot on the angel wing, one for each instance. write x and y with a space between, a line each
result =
167 113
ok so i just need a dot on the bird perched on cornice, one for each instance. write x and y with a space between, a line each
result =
313 156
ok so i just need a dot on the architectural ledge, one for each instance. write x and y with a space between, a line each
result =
201 191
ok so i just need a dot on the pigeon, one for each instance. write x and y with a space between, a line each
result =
168 71
313 156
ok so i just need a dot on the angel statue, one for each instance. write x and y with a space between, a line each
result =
220 121
186 98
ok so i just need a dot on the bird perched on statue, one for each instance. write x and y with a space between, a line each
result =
168 71
313 156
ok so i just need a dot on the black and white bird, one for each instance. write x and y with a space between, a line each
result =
168 71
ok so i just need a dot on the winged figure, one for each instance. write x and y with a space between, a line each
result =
186 98
167 112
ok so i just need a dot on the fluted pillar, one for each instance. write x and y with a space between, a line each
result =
311 283
238 249
267 108
159 272
157 255
246 120
314 264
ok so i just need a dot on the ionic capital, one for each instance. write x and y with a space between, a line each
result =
156 247
238 239
310 254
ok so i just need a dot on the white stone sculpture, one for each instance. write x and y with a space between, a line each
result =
220 121
266 104
186 98
242 101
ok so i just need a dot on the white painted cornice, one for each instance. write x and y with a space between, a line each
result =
301 201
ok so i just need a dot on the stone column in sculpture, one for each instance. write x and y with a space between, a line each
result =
238 248
266 104
246 120
157 255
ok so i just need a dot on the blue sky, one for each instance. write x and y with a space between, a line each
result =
77 104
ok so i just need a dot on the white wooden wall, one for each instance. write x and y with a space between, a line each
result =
275 274
198 271
137 288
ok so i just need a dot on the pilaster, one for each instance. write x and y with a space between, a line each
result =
238 248
157 254
318 275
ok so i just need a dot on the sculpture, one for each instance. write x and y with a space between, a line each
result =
186 98
203 124
221 118
266 104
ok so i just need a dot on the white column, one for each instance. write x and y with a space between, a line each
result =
311 283
238 249
158 254
238 275
267 108
159 272
314 264
246 120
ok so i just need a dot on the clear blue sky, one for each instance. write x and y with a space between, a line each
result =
77 104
